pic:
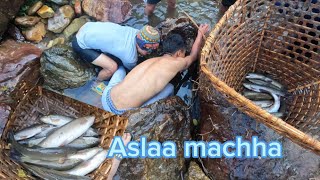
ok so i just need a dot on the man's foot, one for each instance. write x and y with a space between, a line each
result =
126 138
98 87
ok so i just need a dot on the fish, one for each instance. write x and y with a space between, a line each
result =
57 120
32 142
256 96
68 133
84 142
49 154
56 165
49 174
46 131
264 83
90 165
278 114
263 103
258 88
265 79
276 105
30 131
85 154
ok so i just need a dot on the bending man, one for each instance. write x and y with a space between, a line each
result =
149 81
151 5
107 44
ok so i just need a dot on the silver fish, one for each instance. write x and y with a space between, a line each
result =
88 166
263 103
46 132
30 132
264 83
48 174
278 114
256 96
258 88
85 154
276 105
56 165
68 133
84 142
264 78
57 120
32 142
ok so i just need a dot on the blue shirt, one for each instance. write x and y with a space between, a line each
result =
110 38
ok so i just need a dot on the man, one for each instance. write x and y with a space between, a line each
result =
151 5
149 81
107 44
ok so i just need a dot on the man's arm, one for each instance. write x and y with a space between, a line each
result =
203 29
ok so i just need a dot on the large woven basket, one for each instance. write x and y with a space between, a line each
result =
278 38
38 102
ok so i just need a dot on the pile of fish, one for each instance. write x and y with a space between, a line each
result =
61 148
266 93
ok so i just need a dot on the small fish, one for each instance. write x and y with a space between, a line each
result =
266 79
264 83
256 96
46 132
258 88
32 142
263 103
56 120
90 165
85 154
278 114
48 174
84 142
68 133
276 105
91 133
30 132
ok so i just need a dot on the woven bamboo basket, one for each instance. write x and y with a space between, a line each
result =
277 38
38 102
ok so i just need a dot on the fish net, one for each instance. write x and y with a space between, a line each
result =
36 102
278 38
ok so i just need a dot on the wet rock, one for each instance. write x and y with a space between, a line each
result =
60 2
45 12
195 172
27 21
77 7
4 115
61 19
34 8
57 41
61 69
3 23
166 120
116 11
14 32
14 59
75 25
10 7
35 33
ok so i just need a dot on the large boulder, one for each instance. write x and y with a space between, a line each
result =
61 69
166 120
116 11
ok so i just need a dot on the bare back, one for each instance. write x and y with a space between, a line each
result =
145 81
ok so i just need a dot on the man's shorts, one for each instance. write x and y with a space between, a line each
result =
152 1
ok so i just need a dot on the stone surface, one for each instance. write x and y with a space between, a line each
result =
27 21
10 7
14 58
35 33
45 12
56 41
195 172
115 11
61 69
165 120
3 24
34 8
60 2
14 32
77 7
75 25
4 115
61 19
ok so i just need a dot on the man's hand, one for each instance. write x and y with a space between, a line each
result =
203 29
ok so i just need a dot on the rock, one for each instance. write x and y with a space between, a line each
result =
10 7
116 11
61 19
15 33
27 21
195 172
166 120
57 41
77 7
35 33
4 115
75 25
3 23
60 2
61 69
45 12
34 8
14 59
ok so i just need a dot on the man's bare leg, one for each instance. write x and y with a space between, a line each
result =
109 67
171 4
115 162
149 9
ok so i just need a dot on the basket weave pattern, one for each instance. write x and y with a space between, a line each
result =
39 102
278 38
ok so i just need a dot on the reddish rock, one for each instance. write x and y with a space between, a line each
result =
14 58
77 7
27 21
115 11
35 33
